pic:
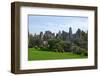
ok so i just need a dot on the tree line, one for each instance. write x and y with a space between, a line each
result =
60 42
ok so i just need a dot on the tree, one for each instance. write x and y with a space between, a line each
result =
52 43
30 41
76 49
59 47
38 42
67 46
83 52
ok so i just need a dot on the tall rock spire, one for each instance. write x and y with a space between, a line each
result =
70 33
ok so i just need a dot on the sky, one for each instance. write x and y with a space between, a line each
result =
38 23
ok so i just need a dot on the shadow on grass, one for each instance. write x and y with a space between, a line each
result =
45 49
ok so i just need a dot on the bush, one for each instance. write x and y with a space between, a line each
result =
83 52
59 47
75 49
35 47
79 51
67 47
56 45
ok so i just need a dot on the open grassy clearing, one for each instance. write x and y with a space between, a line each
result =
39 54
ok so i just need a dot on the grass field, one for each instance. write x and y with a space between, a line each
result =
38 54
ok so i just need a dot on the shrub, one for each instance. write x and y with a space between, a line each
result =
83 52
35 47
59 47
75 49
67 47
56 45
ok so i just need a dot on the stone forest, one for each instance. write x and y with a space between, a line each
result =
62 41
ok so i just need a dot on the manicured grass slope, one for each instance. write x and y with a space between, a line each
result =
38 54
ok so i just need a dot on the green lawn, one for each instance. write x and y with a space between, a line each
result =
38 54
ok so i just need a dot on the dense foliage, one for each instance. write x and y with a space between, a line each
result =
61 42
